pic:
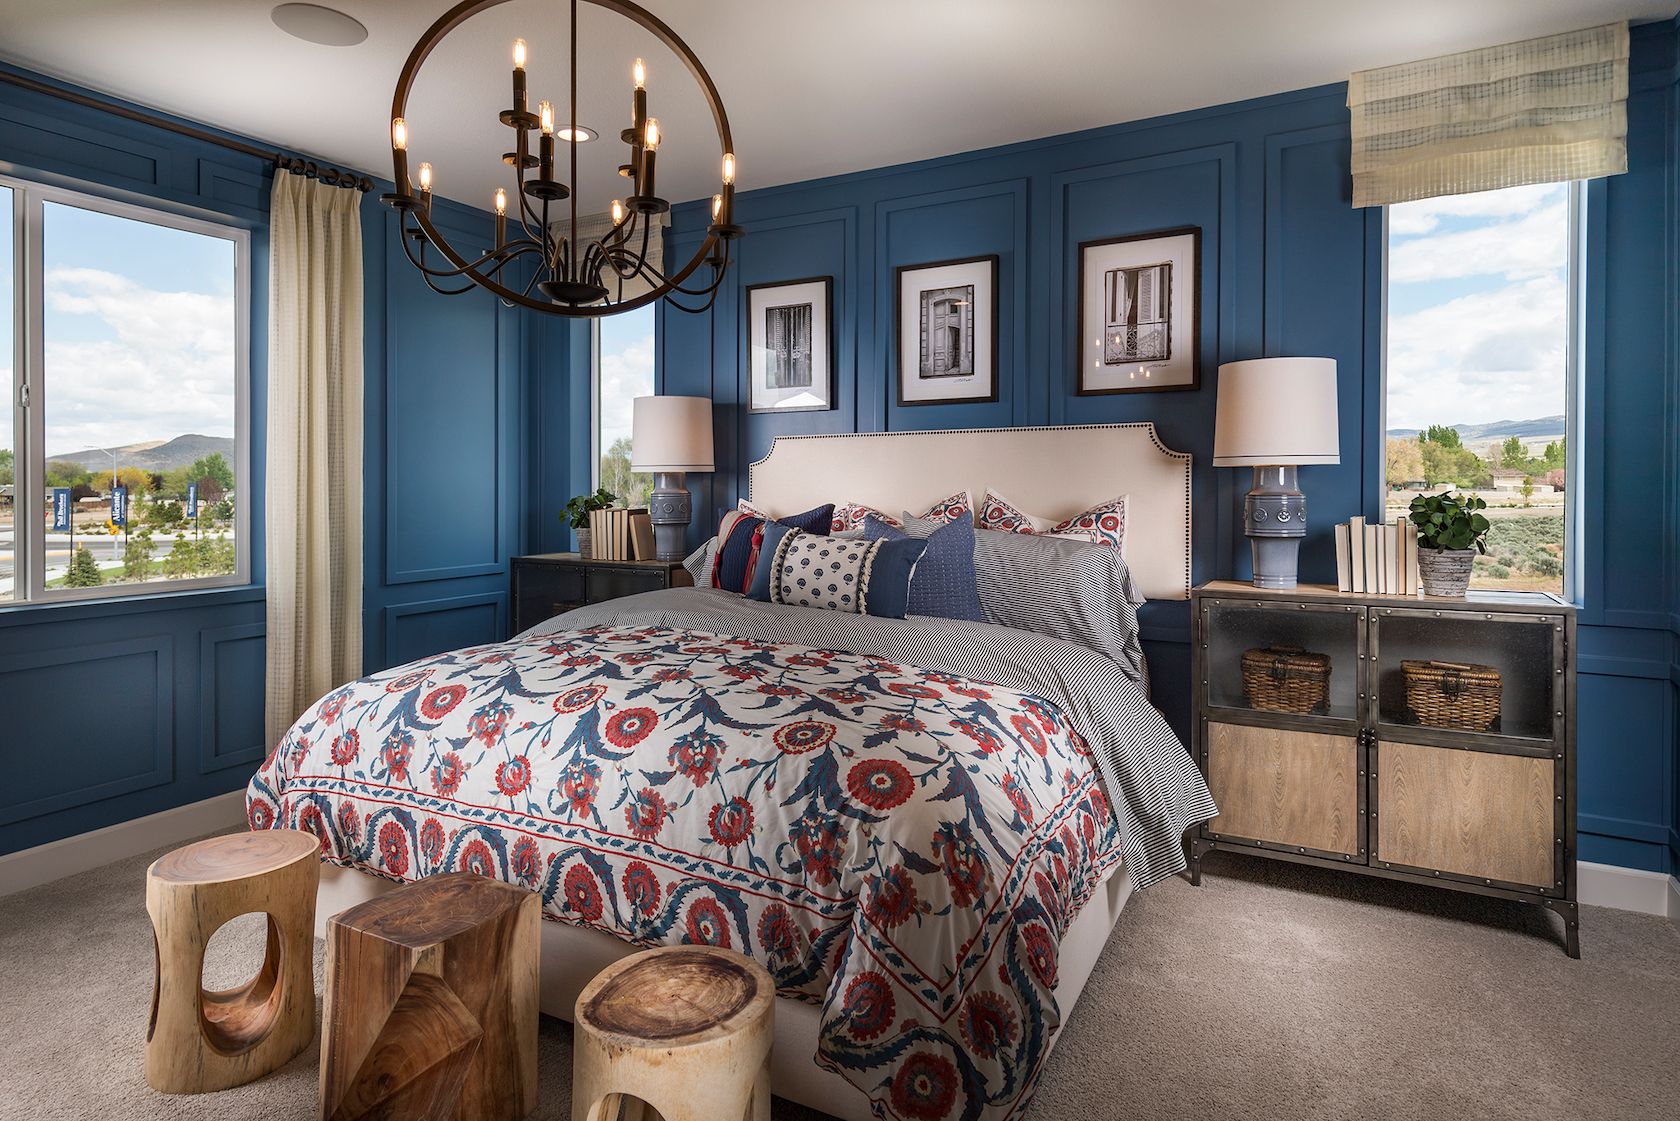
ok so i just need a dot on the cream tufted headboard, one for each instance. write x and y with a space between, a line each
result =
1051 472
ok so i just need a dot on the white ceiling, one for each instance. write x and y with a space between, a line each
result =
812 88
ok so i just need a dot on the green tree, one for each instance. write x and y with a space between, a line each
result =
66 474
1405 461
223 556
1445 436
632 488
1513 454
1555 455
182 558
1527 489
212 467
137 555
84 573
8 468
165 512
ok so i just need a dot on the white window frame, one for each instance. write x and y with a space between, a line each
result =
1574 341
29 418
594 405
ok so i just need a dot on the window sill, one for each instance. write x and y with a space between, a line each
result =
65 611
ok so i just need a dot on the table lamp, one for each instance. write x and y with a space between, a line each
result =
1275 414
670 436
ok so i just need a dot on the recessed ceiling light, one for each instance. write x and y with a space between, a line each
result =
565 134
315 24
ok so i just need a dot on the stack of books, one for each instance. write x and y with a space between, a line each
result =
1377 559
621 534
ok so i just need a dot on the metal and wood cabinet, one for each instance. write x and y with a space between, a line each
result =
1363 782
547 584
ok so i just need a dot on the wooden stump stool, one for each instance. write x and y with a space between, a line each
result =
431 1008
684 1029
198 1041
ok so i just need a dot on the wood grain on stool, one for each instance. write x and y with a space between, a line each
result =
685 1030
431 1008
198 1041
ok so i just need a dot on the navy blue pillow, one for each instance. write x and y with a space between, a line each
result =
818 521
892 577
773 534
736 551
944 583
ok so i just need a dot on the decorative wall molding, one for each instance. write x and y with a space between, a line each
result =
497 601
211 757
67 857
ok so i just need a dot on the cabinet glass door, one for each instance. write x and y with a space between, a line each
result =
1443 675
1270 656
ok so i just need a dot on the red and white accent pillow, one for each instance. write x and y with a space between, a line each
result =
1100 525
850 515
952 508
746 507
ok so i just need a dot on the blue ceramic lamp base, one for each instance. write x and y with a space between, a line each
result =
1275 519
670 508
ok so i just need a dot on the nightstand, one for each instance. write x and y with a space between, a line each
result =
1386 775
546 584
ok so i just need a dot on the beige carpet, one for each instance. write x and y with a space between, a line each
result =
1271 992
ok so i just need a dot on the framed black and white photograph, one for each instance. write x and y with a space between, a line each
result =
791 348
1139 313
947 332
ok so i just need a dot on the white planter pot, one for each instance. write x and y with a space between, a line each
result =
1445 572
583 536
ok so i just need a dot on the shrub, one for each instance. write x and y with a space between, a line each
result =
1499 572
84 572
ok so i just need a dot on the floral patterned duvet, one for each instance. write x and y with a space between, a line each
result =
903 847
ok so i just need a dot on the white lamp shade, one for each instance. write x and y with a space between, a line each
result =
1276 411
671 434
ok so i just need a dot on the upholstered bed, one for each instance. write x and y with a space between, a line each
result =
925 828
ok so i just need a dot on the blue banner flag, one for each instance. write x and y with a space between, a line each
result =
61 509
119 506
192 500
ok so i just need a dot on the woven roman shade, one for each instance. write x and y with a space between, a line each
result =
1546 110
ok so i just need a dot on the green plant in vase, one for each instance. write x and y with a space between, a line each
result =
1451 532
576 515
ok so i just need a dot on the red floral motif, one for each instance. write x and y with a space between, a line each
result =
803 735
475 857
580 782
582 893
987 1023
580 698
1048 719
579 660
1028 731
645 813
526 862
971 691
780 690
259 814
630 727
880 784
1048 895
963 863
743 672
641 888
808 660
910 689
671 673
869 1006
899 722
892 898
407 681
984 739
846 696
820 841
777 934
1041 953
731 823
331 705
638 659
924 1087
398 750
349 821
1018 797
441 702
447 775
696 755
513 776
393 849
431 839
345 748
488 722
707 924
311 820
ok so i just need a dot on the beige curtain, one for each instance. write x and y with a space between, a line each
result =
314 446
1544 110
593 227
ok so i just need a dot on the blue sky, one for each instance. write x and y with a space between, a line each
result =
626 369
1477 307
139 330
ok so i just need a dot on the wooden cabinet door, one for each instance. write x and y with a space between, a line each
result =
1299 789
1471 813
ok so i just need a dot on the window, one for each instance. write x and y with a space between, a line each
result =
1482 333
127 335
623 372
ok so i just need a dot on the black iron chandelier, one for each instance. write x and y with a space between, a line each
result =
579 277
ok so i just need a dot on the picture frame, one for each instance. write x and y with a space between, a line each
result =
790 346
947 331
1140 313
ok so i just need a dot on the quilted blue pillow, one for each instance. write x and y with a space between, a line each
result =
814 570
944 583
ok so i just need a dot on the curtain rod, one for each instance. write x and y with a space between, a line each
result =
331 176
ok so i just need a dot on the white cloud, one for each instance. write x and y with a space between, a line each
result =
169 371
1532 245
1408 218
1496 355
625 375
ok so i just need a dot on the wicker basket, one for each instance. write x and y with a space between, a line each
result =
1453 695
1286 679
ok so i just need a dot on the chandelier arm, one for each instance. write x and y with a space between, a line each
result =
446 291
420 262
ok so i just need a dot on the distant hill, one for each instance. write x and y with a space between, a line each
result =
1499 429
154 455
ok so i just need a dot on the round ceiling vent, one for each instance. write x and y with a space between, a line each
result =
315 24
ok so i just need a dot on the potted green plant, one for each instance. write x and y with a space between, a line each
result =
576 515
1450 534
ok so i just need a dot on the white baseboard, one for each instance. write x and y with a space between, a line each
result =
66 857
1628 889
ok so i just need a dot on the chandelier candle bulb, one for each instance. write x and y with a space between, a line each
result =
638 100
519 100
545 152
729 169
617 212
501 217
399 135
717 206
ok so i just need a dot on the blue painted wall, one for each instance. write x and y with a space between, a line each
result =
113 710
1288 267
